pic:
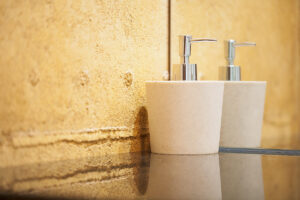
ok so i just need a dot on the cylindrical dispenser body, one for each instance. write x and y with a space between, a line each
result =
242 116
184 116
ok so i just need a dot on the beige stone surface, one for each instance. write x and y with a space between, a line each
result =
274 26
72 76
242 114
185 116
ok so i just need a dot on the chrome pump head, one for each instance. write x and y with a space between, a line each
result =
232 72
186 71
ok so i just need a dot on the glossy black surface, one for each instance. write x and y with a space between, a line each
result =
153 176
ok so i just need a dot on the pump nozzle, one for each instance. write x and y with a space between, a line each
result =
187 71
232 72
231 44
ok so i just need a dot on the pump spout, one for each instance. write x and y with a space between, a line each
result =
185 70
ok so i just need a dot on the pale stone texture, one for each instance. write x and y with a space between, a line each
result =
73 72
273 25
185 116
242 113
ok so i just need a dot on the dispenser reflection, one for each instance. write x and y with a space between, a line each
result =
241 176
215 176
184 177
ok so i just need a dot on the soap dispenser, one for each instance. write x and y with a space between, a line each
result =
243 104
186 71
184 113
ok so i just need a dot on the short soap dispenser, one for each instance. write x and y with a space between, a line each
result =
243 104
185 114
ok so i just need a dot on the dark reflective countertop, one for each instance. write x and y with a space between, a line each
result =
243 174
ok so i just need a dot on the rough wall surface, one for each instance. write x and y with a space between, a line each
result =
297 137
272 24
72 76
72 72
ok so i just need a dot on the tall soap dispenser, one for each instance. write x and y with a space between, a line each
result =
243 104
185 114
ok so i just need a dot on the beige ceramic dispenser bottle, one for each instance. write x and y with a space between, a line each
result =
243 104
185 114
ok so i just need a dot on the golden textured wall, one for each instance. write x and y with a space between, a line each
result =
72 76
72 72
273 25
297 136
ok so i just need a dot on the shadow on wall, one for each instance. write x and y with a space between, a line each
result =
141 132
141 171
